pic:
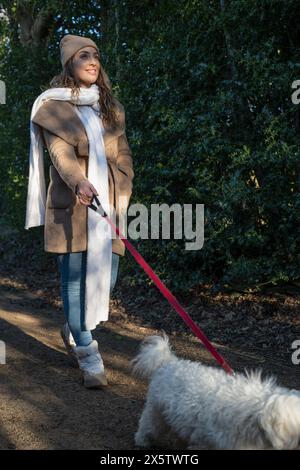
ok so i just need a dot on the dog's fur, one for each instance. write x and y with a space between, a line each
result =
208 408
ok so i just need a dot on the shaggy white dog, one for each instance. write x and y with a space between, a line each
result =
207 408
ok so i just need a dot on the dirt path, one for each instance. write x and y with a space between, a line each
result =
42 403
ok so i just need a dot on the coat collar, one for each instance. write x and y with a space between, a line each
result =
60 118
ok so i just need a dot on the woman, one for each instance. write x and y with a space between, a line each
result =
82 126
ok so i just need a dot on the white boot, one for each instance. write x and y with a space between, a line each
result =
91 364
68 339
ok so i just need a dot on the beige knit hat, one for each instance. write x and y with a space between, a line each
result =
70 44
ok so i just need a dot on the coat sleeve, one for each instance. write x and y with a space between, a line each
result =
64 159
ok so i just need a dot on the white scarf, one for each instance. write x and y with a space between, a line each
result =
99 236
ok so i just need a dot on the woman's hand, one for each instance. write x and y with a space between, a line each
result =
85 191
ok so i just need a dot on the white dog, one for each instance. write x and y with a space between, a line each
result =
207 408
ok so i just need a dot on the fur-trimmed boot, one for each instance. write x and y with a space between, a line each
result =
91 364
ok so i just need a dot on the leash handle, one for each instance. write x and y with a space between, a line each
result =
99 208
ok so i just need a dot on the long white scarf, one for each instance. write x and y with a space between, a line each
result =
99 237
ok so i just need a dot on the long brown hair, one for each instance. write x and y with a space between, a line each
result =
107 101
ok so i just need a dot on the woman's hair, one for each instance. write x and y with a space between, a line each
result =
107 102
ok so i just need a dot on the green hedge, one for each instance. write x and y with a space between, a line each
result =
207 90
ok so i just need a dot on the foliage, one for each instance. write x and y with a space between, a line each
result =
207 90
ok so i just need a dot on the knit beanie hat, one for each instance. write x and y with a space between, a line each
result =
70 44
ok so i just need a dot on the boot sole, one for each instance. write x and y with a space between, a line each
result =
94 381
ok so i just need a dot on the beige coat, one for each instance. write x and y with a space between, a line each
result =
66 141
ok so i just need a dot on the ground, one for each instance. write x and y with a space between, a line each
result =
42 402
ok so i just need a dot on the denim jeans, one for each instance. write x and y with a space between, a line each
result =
72 268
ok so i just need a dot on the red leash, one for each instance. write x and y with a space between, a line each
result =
165 291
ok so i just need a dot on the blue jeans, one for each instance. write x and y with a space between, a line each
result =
72 267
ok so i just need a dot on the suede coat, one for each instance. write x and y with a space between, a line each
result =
66 141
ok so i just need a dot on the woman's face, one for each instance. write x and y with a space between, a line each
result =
86 63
